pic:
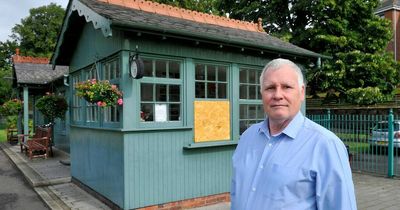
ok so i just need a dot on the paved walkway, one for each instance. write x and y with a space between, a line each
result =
52 181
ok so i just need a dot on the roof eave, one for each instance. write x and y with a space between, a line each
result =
186 35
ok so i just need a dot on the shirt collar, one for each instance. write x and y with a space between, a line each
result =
291 130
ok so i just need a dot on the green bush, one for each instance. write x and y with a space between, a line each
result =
11 107
365 96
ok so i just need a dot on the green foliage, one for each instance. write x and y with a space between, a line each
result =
11 107
11 121
206 6
103 93
347 30
365 96
52 106
7 49
37 34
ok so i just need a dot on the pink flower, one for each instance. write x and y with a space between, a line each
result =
94 81
120 101
99 103
113 87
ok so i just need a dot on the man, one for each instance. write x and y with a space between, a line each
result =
287 161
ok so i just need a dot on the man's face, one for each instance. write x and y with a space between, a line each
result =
281 94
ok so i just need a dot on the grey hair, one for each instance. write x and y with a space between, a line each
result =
277 64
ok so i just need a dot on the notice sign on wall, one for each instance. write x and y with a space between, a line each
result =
211 121
161 112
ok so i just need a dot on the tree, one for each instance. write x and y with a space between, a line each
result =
37 34
7 49
347 30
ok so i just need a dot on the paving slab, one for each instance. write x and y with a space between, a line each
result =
52 182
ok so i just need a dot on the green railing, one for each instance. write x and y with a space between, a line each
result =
378 155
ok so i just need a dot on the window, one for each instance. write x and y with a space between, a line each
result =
250 104
161 91
76 106
91 109
90 113
112 73
211 81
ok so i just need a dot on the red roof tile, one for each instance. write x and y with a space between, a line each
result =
162 9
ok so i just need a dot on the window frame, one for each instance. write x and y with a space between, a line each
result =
154 80
227 82
257 101
115 80
94 71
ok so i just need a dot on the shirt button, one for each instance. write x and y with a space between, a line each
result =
253 189
261 166
270 144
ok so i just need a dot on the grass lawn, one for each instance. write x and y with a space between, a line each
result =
3 137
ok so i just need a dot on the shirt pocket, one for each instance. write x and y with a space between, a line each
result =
287 183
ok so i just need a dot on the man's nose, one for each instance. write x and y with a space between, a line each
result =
278 93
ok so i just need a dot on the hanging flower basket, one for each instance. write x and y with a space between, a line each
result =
102 93
11 107
52 106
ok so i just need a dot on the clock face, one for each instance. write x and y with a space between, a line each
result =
136 67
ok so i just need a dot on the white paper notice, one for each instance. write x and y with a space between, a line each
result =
161 112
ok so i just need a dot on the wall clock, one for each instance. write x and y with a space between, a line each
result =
136 66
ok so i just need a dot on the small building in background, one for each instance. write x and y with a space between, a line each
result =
33 77
390 9
190 84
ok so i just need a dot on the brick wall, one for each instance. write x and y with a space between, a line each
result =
191 203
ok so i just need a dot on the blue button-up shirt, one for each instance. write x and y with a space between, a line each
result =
304 167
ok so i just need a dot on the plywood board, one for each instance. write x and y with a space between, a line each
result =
211 121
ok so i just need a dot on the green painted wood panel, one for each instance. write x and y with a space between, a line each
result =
97 161
93 46
159 170
174 48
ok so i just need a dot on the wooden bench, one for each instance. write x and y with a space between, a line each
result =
39 145
12 136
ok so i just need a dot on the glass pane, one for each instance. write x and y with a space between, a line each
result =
243 126
161 68
252 92
117 71
252 111
243 92
174 68
107 71
146 92
148 68
200 72
112 70
211 71
174 93
174 112
260 112
222 73
161 92
252 77
243 76
211 90
222 90
243 112
146 112
200 90
259 96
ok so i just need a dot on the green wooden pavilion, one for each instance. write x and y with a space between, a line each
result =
190 88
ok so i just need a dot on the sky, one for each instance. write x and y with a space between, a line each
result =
12 11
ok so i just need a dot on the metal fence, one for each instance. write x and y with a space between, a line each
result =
368 153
